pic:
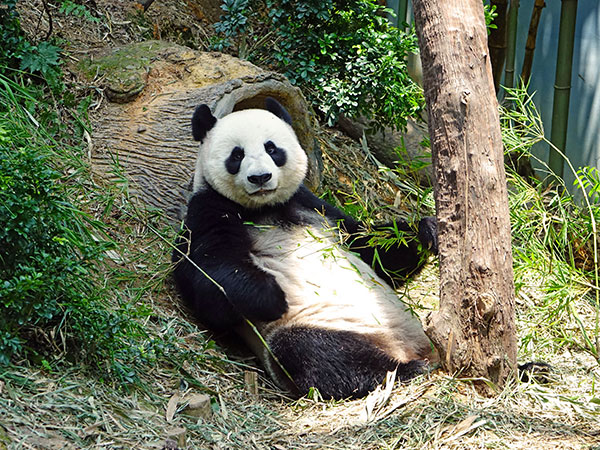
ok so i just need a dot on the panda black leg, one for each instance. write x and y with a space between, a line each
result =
540 372
340 364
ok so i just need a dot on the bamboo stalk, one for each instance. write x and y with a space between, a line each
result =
402 13
394 5
531 40
511 44
562 85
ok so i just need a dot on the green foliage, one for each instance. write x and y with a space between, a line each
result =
56 305
554 238
44 59
490 14
235 20
41 59
52 287
69 7
590 179
345 55
11 36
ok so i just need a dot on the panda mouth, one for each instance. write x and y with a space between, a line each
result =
262 192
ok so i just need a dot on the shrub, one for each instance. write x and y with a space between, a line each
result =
11 36
17 52
52 290
345 55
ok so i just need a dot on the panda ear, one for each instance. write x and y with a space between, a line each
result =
202 122
273 106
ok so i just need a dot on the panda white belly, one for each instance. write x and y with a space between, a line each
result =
330 288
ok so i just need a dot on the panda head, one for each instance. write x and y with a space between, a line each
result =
251 156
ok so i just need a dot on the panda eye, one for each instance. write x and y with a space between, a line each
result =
277 154
270 147
237 154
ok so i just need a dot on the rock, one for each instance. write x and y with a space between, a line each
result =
154 88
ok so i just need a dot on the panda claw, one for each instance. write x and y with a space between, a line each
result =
428 235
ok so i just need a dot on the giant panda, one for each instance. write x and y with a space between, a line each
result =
290 274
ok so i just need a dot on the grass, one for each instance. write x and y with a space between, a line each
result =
53 272
73 411
74 402
555 239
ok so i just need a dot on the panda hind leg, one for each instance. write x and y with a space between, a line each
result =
340 364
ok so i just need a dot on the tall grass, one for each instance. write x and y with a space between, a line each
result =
554 239
70 286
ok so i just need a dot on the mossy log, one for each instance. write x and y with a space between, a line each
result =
144 131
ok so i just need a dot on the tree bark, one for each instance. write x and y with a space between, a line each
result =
474 329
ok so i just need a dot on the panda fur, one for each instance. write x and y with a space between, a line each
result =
263 254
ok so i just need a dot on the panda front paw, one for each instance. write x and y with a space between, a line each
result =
266 302
428 234
273 305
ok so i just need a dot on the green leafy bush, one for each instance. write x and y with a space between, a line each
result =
44 59
17 52
11 36
52 288
345 55
58 301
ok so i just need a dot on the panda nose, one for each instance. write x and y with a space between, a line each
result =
259 180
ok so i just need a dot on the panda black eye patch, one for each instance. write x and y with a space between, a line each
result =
277 154
233 162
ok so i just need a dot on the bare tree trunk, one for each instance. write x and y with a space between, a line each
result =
497 41
474 330
531 39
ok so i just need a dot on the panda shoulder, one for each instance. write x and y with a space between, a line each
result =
208 207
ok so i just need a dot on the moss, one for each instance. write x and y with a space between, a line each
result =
124 71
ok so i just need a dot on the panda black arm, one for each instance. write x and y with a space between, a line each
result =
310 201
403 258
229 286
393 263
